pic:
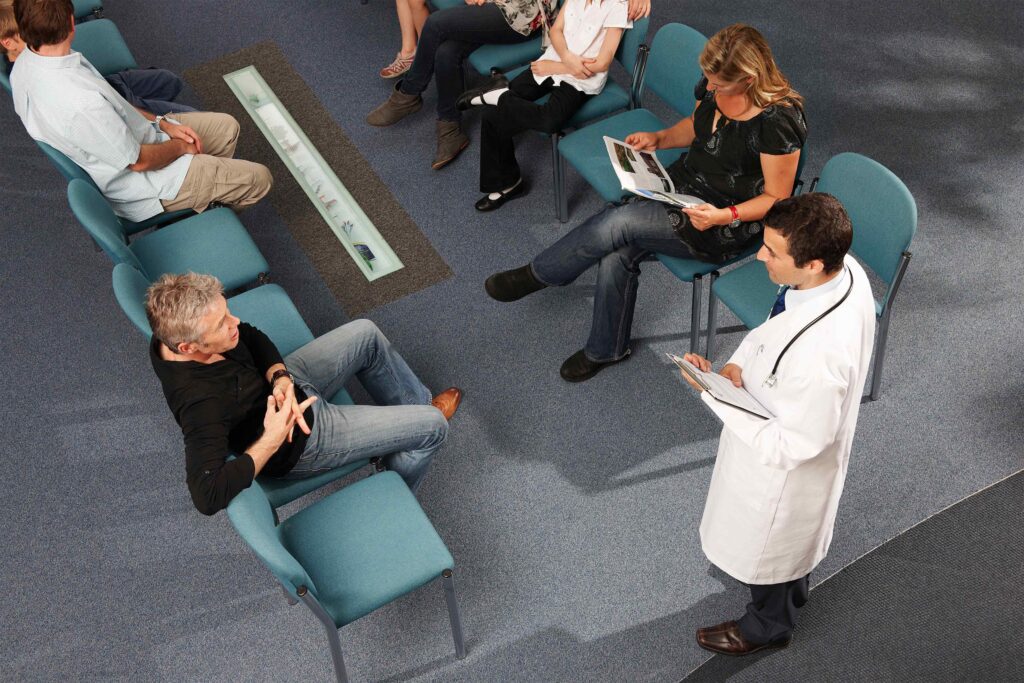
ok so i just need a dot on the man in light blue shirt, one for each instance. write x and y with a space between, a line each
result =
143 164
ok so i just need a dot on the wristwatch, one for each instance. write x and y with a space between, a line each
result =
735 217
158 119
278 374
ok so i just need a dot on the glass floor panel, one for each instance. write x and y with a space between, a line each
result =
353 228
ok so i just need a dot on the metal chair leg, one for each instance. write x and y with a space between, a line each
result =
563 198
332 632
453 613
712 315
556 173
881 338
698 290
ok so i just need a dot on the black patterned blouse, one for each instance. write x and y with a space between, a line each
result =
723 167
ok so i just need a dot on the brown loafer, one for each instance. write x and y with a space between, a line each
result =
448 401
727 639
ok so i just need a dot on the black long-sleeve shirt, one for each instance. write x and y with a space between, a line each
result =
220 408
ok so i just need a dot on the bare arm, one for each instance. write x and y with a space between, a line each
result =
606 56
569 62
158 155
779 175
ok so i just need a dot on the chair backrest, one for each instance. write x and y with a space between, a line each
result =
86 8
881 208
69 169
253 518
101 43
5 74
630 43
100 221
672 66
130 290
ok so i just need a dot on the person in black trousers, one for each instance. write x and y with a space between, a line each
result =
574 68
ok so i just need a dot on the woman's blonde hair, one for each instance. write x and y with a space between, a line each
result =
176 304
740 51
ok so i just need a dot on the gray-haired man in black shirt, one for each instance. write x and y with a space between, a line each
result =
232 393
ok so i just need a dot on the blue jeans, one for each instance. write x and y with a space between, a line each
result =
403 427
616 240
151 89
448 36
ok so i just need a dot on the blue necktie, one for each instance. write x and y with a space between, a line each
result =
780 302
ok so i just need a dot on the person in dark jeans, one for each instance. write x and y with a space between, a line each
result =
574 68
447 39
744 141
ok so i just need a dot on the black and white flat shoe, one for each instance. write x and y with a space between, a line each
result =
485 203
496 82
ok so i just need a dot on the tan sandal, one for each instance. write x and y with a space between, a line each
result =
397 67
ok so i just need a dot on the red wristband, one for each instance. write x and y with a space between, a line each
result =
735 213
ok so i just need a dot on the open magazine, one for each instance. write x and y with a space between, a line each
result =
641 173
722 389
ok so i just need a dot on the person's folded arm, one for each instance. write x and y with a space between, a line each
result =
606 56
153 157
212 480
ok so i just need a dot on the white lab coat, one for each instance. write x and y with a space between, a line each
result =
776 485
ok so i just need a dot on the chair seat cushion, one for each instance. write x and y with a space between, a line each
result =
214 242
84 8
101 43
686 269
365 545
585 149
505 57
283 491
164 218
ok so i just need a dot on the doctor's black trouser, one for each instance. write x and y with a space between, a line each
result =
772 610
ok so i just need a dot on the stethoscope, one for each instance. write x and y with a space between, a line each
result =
771 380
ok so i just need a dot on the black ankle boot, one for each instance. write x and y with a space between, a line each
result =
579 368
511 285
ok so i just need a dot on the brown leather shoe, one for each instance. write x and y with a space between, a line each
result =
448 401
727 639
395 108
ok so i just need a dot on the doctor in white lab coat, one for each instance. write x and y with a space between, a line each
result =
776 486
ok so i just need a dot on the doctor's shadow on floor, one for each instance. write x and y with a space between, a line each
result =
604 431
558 654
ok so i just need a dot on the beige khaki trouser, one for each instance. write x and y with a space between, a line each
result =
214 176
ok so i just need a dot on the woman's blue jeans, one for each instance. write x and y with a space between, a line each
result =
616 240
448 36
403 428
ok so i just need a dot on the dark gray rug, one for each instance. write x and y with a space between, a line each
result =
940 602
423 266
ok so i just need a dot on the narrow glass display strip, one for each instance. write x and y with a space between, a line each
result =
346 219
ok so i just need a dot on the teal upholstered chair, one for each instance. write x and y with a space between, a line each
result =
213 242
631 55
671 70
884 217
72 171
101 43
270 309
694 271
87 9
349 553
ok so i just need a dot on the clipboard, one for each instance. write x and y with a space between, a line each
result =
722 389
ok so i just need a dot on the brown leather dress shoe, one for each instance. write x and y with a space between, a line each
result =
727 639
448 401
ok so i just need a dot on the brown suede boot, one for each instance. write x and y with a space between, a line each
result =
397 107
450 141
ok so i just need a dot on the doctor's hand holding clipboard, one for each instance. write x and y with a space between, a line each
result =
725 387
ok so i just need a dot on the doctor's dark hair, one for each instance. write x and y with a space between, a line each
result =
815 226
43 22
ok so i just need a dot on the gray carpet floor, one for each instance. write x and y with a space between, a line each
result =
571 510
940 602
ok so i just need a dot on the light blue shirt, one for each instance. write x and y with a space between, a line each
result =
66 103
